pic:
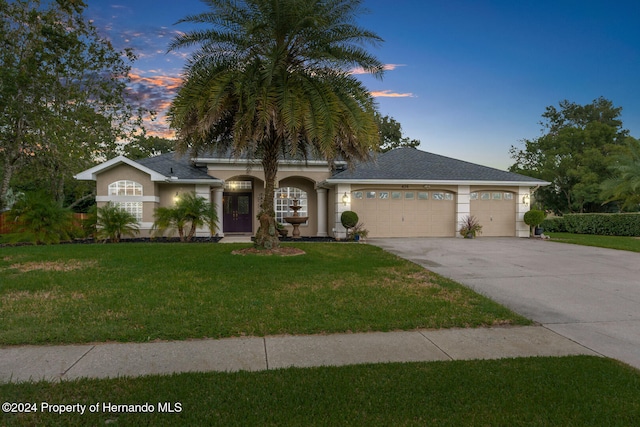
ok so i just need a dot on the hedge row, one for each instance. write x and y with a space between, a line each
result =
627 224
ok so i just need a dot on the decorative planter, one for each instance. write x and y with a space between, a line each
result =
538 231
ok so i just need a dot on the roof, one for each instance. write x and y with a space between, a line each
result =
164 168
410 164
171 165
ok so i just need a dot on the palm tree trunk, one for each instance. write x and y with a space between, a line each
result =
267 234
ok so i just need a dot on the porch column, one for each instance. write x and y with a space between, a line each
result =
339 232
321 214
203 191
522 206
217 199
463 206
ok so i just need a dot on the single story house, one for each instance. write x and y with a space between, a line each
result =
404 192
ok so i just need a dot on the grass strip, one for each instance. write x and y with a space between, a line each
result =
611 242
566 391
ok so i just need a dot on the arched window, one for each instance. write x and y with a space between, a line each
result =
125 188
284 198
132 192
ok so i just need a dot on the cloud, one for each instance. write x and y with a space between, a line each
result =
155 93
389 94
386 67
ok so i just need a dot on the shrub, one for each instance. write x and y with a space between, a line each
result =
349 219
626 224
555 224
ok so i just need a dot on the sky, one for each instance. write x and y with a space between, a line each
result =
469 79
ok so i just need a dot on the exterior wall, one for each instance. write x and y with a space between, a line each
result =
150 196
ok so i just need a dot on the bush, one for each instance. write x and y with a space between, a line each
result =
554 225
627 224
349 219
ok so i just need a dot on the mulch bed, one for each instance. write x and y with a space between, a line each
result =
281 251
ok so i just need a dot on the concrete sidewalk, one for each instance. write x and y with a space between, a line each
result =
55 363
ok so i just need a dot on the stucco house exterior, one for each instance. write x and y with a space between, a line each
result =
402 193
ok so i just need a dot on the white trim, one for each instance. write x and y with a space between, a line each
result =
213 182
332 181
91 174
258 162
153 199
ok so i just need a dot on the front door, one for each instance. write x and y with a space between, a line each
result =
237 213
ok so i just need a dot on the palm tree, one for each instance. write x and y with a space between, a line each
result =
625 185
273 77
190 210
114 222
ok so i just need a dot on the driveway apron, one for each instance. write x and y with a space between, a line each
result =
589 295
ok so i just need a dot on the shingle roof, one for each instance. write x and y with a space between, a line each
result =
412 164
169 164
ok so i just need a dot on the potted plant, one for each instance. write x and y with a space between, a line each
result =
533 219
359 232
470 227
282 230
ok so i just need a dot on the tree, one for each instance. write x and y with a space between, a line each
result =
147 146
573 154
391 134
272 77
190 210
62 91
37 218
624 186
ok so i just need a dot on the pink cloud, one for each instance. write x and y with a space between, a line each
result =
389 94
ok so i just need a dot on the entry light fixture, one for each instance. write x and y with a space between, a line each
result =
526 199
345 199
176 198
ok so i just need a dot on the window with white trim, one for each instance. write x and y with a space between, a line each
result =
125 188
284 198
134 208
132 193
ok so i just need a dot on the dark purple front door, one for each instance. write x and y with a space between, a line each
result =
237 213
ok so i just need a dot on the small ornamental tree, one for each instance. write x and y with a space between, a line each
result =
533 218
349 219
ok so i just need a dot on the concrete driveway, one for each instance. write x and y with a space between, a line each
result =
589 295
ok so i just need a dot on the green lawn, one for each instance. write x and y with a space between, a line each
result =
611 242
143 292
567 391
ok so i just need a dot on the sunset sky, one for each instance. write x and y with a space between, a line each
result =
469 79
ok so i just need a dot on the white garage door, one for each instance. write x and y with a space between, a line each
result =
496 212
405 213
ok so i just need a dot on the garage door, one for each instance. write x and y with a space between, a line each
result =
496 211
405 213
